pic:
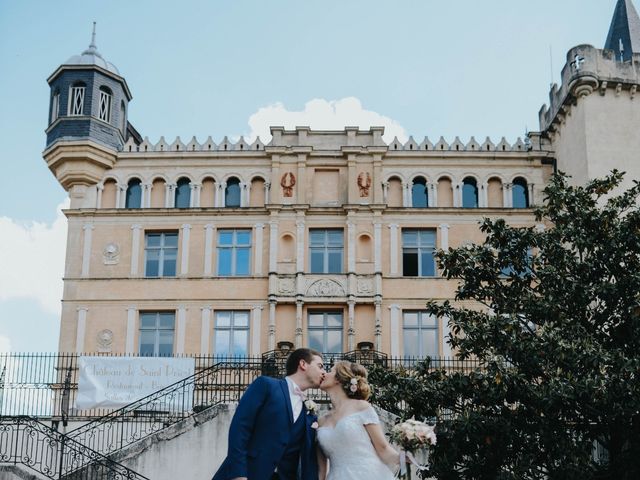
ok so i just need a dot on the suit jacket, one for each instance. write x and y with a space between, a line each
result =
260 432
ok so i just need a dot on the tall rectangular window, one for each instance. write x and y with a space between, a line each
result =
55 105
325 331
76 101
156 333
234 252
104 110
418 247
325 250
420 334
161 253
231 333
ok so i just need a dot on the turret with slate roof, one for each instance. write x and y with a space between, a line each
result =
89 101
87 113
624 32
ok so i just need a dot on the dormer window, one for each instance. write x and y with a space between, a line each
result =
104 112
76 100
55 105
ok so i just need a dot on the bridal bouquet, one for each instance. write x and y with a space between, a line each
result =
412 435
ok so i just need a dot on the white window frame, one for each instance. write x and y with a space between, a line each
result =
76 101
162 248
232 328
104 109
418 330
157 329
325 248
420 247
123 120
325 328
234 247
55 107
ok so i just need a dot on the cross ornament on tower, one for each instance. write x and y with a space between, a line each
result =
577 62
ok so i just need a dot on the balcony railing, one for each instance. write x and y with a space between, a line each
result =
45 385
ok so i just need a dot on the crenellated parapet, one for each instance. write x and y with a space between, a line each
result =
209 145
588 70
324 140
458 145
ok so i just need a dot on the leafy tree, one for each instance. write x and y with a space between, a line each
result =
552 316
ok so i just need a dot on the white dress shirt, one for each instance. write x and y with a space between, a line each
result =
296 401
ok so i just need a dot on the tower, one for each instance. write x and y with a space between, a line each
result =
87 122
593 117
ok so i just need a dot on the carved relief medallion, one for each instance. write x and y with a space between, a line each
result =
364 183
104 339
325 288
111 254
287 182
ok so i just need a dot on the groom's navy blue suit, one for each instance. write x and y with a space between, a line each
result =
263 436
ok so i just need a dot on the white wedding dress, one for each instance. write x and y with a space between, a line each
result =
350 451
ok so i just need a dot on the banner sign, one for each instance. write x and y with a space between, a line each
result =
113 382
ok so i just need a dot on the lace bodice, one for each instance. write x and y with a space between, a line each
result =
350 451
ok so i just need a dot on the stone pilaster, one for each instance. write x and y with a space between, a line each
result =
205 330
135 248
81 329
258 248
131 330
393 249
86 249
209 231
184 254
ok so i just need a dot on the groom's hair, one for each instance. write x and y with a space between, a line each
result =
305 354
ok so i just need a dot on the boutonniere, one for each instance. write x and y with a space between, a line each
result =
314 425
311 406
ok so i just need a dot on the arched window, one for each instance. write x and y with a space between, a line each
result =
183 193
469 193
104 107
134 194
55 106
520 193
76 99
123 118
232 193
419 196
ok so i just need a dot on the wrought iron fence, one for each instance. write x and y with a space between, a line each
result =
219 384
46 385
26 441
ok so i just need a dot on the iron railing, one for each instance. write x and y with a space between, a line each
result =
26 441
46 385
221 383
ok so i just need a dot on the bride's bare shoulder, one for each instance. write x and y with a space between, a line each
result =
361 405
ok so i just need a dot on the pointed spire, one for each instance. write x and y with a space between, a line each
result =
93 37
93 50
624 32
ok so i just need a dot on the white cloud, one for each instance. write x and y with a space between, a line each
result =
32 258
320 114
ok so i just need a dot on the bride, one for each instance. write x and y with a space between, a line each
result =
352 443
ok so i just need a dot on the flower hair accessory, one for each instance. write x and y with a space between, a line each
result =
353 385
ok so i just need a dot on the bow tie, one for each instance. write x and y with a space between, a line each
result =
299 393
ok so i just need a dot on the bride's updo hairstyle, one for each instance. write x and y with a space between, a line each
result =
353 378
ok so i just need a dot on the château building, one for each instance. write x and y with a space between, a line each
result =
319 238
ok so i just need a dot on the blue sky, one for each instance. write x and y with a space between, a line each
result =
232 67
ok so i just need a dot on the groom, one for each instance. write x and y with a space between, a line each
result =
272 434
